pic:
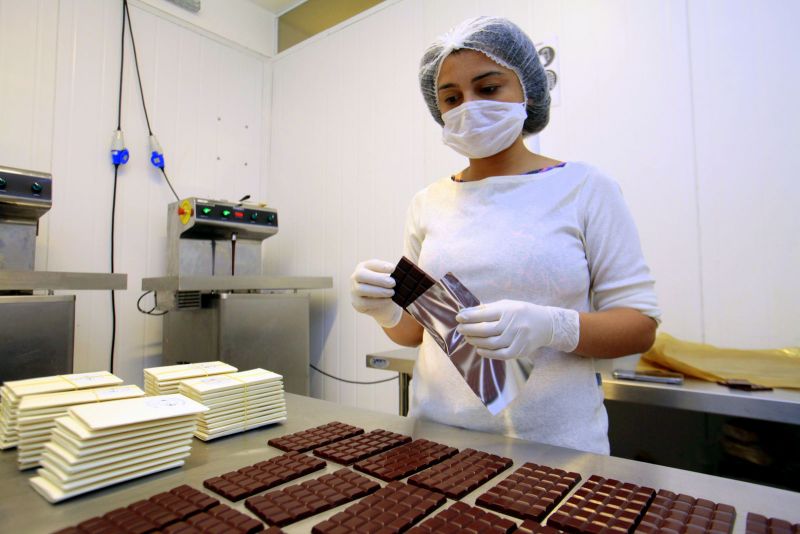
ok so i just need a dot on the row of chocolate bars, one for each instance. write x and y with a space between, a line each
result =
88 431
436 472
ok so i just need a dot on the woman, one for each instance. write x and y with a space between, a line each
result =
548 247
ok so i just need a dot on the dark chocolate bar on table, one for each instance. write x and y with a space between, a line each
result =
461 517
759 524
393 508
619 506
405 460
173 507
247 481
674 511
529 526
351 450
530 492
309 439
296 502
462 473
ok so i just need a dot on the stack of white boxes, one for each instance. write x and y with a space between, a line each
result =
164 380
97 445
37 415
236 402
11 393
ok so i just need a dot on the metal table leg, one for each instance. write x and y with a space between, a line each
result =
403 380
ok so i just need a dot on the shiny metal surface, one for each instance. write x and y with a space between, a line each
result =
495 382
17 245
235 283
270 331
780 405
200 246
36 336
36 280
22 510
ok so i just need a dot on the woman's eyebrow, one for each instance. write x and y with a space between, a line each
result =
475 79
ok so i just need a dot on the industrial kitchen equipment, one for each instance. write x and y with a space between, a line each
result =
36 325
219 304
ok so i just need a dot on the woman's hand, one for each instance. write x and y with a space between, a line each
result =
509 329
371 292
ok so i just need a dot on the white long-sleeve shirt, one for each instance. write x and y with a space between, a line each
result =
563 237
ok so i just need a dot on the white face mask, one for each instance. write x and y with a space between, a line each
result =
482 128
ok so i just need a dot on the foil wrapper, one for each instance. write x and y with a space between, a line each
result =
496 382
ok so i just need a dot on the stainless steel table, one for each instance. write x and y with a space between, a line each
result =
23 510
780 405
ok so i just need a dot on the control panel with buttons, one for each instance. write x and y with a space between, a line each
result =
24 195
24 185
239 214
201 218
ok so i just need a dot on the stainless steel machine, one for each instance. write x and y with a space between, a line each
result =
219 304
36 325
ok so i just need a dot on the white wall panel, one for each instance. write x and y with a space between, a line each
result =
745 68
206 102
626 108
238 21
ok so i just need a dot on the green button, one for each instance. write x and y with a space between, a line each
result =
253 216
36 187
206 211
271 217
226 213
3 183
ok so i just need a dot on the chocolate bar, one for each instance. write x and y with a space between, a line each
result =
759 524
671 511
154 513
461 517
530 492
351 450
393 508
311 497
305 440
602 502
405 460
410 282
247 481
462 473
532 527
220 518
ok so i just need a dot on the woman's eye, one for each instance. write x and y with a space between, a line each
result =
489 89
450 100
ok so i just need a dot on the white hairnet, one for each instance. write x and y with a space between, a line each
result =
505 44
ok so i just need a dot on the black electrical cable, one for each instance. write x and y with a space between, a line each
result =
151 311
320 371
114 196
127 14
164 172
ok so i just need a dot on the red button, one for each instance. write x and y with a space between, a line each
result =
238 214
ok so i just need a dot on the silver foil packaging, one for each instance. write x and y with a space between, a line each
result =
495 382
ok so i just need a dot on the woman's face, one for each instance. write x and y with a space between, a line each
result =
468 75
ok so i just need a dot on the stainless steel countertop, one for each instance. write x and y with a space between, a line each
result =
234 283
23 510
780 405
36 280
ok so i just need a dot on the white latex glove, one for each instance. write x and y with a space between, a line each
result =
371 292
509 329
